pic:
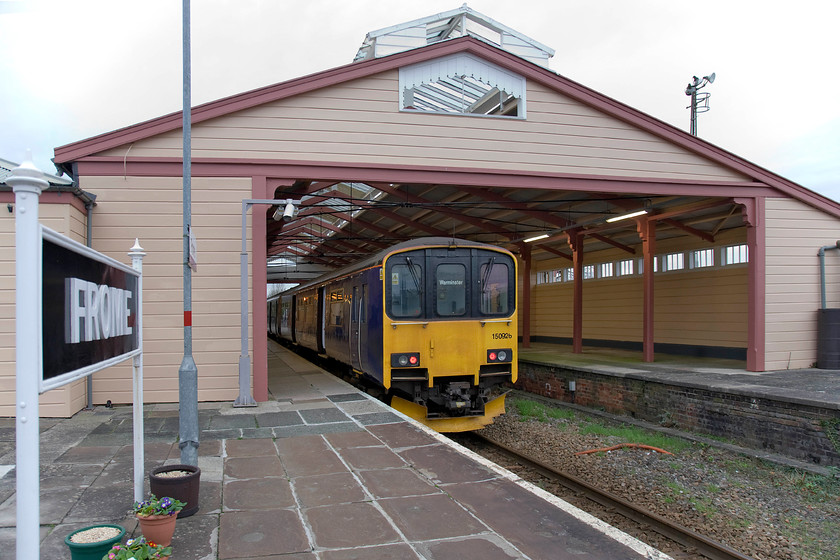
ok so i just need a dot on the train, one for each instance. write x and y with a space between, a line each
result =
431 321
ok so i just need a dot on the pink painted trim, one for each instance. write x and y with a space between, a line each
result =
576 244
525 304
362 172
757 295
647 231
258 282
48 197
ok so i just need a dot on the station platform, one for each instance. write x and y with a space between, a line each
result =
789 416
809 386
320 471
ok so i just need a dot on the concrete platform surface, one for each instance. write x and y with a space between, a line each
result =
321 471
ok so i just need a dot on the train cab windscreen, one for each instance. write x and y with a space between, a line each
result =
446 283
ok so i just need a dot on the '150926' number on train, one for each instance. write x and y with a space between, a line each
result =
500 335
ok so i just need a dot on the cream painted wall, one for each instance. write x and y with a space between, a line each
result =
64 401
150 208
693 306
360 121
795 233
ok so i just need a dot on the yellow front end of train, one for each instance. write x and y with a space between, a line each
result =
450 336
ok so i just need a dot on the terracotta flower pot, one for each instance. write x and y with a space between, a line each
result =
158 528
92 550
182 488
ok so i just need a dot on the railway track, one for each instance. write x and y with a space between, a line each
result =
700 544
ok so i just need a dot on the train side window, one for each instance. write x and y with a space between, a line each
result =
335 308
451 289
405 283
494 288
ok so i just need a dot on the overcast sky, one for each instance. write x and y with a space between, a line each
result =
70 70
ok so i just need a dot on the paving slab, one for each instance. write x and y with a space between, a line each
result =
258 493
436 516
349 525
252 534
328 489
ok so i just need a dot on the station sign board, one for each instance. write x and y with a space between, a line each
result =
89 312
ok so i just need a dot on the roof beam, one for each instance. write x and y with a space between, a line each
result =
693 231
477 222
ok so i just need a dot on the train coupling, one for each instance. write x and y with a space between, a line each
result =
457 396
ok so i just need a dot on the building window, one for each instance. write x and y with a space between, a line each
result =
673 261
702 258
569 274
589 272
558 275
735 254
625 267
542 277
605 270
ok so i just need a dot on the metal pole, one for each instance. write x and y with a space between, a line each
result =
188 372
693 129
27 182
244 398
136 253
821 254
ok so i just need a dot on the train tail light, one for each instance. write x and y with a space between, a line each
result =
500 355
406 359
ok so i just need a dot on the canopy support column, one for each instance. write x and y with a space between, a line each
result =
525 304
647 231
576 244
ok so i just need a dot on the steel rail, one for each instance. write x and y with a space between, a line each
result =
705 546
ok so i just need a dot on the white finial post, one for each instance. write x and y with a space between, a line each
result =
136 253
27 182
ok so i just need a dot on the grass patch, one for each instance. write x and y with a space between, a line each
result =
815 488
534 410
704 506
633 434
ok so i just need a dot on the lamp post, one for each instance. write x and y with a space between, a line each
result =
699 101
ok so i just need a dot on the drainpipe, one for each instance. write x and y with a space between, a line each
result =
89 204
821 254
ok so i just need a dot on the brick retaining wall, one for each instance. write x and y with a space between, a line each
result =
796 430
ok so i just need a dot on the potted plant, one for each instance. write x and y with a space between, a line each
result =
138 549
90 543
157 518
178 481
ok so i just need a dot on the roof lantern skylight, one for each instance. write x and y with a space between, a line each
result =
451 25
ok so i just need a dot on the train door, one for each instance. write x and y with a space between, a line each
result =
358 327
354 328
322 298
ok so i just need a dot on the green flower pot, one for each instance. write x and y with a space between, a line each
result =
95 550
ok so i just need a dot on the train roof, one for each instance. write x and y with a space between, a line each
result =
379 257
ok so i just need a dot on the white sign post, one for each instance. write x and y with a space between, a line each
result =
136 253
89 308
27 183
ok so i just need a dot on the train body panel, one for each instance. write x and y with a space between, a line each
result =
432 321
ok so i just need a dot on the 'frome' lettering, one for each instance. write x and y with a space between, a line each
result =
95 312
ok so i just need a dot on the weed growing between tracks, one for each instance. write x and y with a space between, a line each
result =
762 509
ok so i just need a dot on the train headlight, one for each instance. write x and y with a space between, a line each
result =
499 355
407 359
